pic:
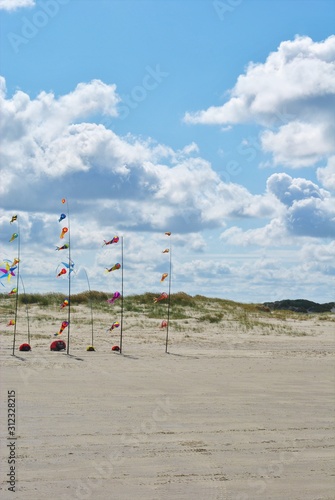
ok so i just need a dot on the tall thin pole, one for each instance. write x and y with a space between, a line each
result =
17 282
169 301
89 290
69 308
64 200
27 311
121 326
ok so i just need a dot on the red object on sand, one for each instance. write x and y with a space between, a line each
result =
57 345
25 347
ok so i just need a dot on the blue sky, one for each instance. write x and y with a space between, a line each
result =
210 119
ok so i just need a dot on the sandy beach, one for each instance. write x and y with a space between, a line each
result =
228 413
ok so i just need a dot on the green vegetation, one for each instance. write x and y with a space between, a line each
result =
301 306
252 318
211 317
51 299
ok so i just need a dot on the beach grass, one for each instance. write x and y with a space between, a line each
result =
202 311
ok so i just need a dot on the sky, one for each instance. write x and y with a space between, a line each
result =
210 119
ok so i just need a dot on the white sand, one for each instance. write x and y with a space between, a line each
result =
227 414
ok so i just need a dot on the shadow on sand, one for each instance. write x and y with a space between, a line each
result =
183 355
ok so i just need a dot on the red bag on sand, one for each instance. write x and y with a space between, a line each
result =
57 345
25 347
115 348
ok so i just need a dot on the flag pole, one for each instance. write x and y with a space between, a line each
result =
169 302
17 282
27 311
64 200
90 297
121 326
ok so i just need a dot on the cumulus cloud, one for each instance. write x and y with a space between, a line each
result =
146 185
310 209
299 144
312 217
323 254
279 275
40 136
289 190
292 95
138 187
16 4
303 209
326 175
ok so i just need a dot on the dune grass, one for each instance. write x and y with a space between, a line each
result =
204 310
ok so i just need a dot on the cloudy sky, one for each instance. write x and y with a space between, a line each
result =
210 119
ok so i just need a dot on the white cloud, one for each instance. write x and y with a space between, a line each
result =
312 217
275 275
272 234
148 185
138 187
16 4
326 175
319 253
303 210
292 95
310 210
299 144
288 189
40 136
144 184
